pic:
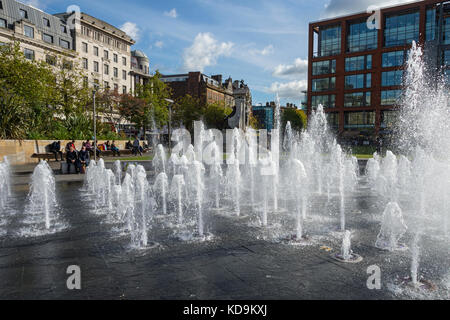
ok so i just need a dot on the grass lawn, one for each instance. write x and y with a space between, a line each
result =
363 156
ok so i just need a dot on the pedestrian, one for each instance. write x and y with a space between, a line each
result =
72 159
137 146
55 148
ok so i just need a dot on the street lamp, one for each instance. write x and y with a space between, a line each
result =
171 102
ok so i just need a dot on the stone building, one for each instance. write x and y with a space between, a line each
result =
140 69
41 36
243 105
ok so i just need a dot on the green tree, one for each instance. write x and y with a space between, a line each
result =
297 118
215 115
187 110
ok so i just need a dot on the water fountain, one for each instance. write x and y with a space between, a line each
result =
5 188
346 254
393 228
41 211
117 169
178 195
160 159
161 188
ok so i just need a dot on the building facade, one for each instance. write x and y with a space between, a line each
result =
243 103
140 69
41 36
200 86
356 73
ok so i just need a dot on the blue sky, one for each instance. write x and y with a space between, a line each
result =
264 42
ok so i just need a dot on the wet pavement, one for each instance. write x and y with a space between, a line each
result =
240 262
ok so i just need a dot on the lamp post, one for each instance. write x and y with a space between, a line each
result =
94 92
171 102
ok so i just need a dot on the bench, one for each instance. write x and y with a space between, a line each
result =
43 156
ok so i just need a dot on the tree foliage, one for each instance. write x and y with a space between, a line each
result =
297 118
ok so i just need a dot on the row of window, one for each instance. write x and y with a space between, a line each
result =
364 119
399 29
85 49
29 32
96 68
106 85
24 15
357 99
103 37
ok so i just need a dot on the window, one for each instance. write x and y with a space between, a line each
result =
106 69
64 44
358 81
358 63
393 59
361 38
29 54
63 29
46 22
401 29
124 89
430 25
116 58
28 31
330 41
51 60
106 54
388 118
327 101
124 61
67 65
392 78
106 85
85 47
357 99
333 119
116 87
116 72
359 120
124 75
23 14
96 51
47 38
324 84
85 63
85 82
1 5
322 67
447 30
96 66
390 97
3 23
446 58
447 76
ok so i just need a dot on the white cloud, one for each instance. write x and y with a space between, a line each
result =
159 44
264 52
299 67
204 52
289 90
172 13
131 29
343 7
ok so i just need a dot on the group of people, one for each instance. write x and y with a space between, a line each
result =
80 159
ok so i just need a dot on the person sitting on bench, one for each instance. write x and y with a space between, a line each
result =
114 149
84 159
55 148
72 159
69 145
129 145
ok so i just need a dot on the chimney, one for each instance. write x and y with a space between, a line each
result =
218 78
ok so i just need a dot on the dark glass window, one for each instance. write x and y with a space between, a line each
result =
324 84
1 5
96 66
333 119
116 58
390 97
47 38
393 59
430 26
106 69
3 23
23 14
327 101
388 118
96 51
361 38
392 78
46 22
447 76
446 58
401 29
330 41
65 44
322 67
28 31
357 99
29 54
359 120
358 63
85 63
447 30
63 29
358 81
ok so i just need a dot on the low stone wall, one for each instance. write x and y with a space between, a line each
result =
20 152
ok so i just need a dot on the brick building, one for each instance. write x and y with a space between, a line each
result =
357 72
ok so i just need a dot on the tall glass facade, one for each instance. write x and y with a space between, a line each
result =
327 101
330 41
401 29
430 27
392 78
365 119
358 81
447 30
361 38
324 67
324 84
357 99
393 59
390 97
